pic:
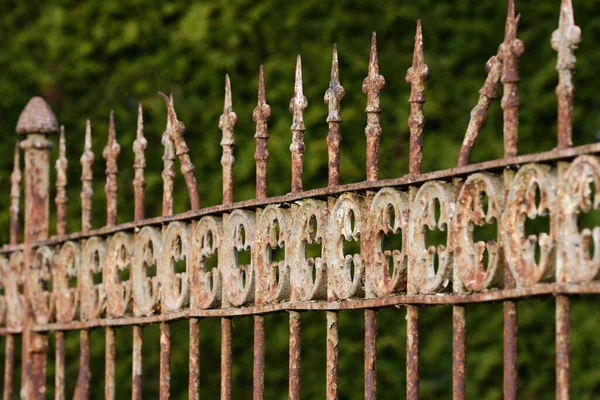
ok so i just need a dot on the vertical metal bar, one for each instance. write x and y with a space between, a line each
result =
510 350
332 354
177 130
260 116
227 122
333 98
412 352
373 84
139 184
194 365
109 367
36 121
15 202
564 40
295 358
416 75
168 176
138 342
563 348
111 153
82 390
59 373
9 367
297 106
61 229
15 196
165 357
226 361
258 376
459 352
509 52
370 354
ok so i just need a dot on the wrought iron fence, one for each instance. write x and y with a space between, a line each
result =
74 281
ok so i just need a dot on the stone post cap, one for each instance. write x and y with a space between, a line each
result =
37 117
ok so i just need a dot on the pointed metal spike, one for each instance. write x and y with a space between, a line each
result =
565 40
373 60
228 102
297 106
416 75
111 127
261 115
227 122
61 185
509 52
111 154
87 146
140 122
510 27
262 97
373 84
298 90
87 191
139 181
333 98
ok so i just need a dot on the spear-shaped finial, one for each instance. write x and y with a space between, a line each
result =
61 185
87 191
175 130
509 52
139 181
333 98
227 122
416 75
297 106
15 196
111 153
260 116
565 40
372 86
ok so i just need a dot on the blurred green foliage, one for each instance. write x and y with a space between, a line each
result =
87 58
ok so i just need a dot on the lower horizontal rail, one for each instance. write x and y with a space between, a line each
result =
539 290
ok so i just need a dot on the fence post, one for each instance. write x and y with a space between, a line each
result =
36 122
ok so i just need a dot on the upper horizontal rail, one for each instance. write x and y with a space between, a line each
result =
406 180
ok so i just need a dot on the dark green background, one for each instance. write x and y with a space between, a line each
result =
86 58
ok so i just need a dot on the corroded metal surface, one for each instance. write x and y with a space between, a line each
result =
508 53
297 106
75 281
333 98
565 40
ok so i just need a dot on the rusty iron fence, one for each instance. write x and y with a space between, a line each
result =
74 281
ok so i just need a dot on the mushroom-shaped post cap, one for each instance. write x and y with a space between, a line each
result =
37 117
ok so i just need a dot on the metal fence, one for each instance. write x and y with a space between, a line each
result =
74 281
